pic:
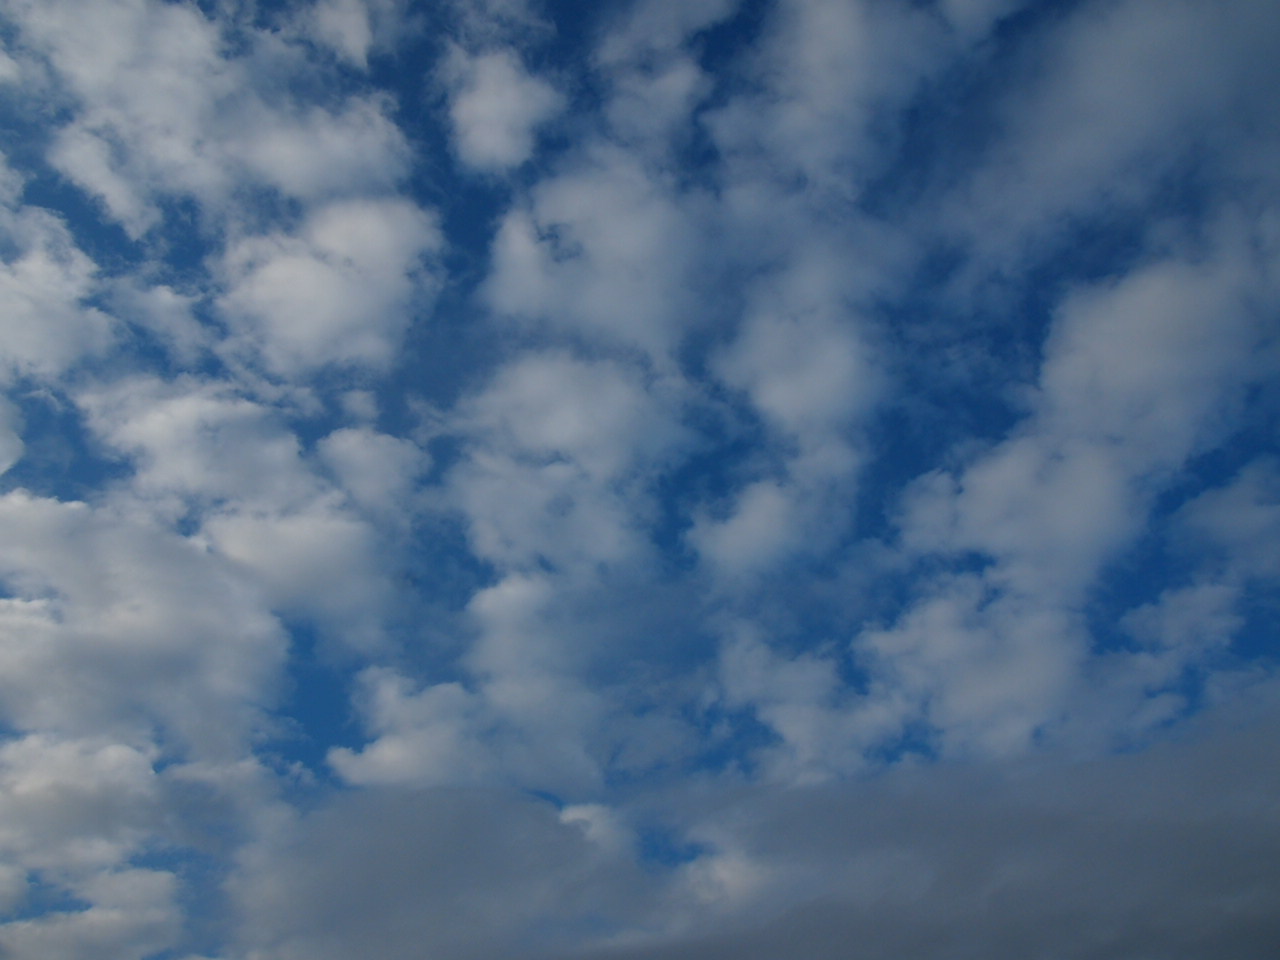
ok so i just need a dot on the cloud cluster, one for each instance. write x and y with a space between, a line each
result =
639 479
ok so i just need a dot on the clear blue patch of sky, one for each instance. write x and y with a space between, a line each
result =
316 712
61 459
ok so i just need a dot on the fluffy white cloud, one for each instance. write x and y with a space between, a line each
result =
343 25
201 443
46 326
131 913
606 251
165 107
341 290
496 107
114 625
563 451
973 18
1138 375
377 470
801 364
1116 99
73 807
306 528
317 562
827 67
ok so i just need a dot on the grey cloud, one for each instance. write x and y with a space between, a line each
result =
450 873
1171 853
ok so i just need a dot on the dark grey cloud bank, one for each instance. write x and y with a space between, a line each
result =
1167 853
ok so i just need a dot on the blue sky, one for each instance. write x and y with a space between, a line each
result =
729 478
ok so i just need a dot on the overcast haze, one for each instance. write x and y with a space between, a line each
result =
639 480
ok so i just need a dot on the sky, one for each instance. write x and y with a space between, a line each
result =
639 480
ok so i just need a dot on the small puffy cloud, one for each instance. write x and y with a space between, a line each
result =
116 626
377 470
827 69
46 325
563 449
496 108
341 290
600 415
318 562
164 107
764 526
315 153
987 673
655 83
344 26
1153 363
429 737
800 363
1114 100
606 251
148 77
1241 520
1138 375
972 19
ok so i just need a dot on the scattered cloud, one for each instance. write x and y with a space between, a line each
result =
695 480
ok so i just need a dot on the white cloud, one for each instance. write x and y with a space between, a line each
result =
974 18
986 672
314 153
344 26
1139 374
605 251
1242 519
11 445
826 68
424 738
205 454
148 76
563 450
72 807
655 82
341 290
114 625
1117 97
800 363
131 913
162 107
45 324
807 374
377 470
496 107
318 562
761 530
